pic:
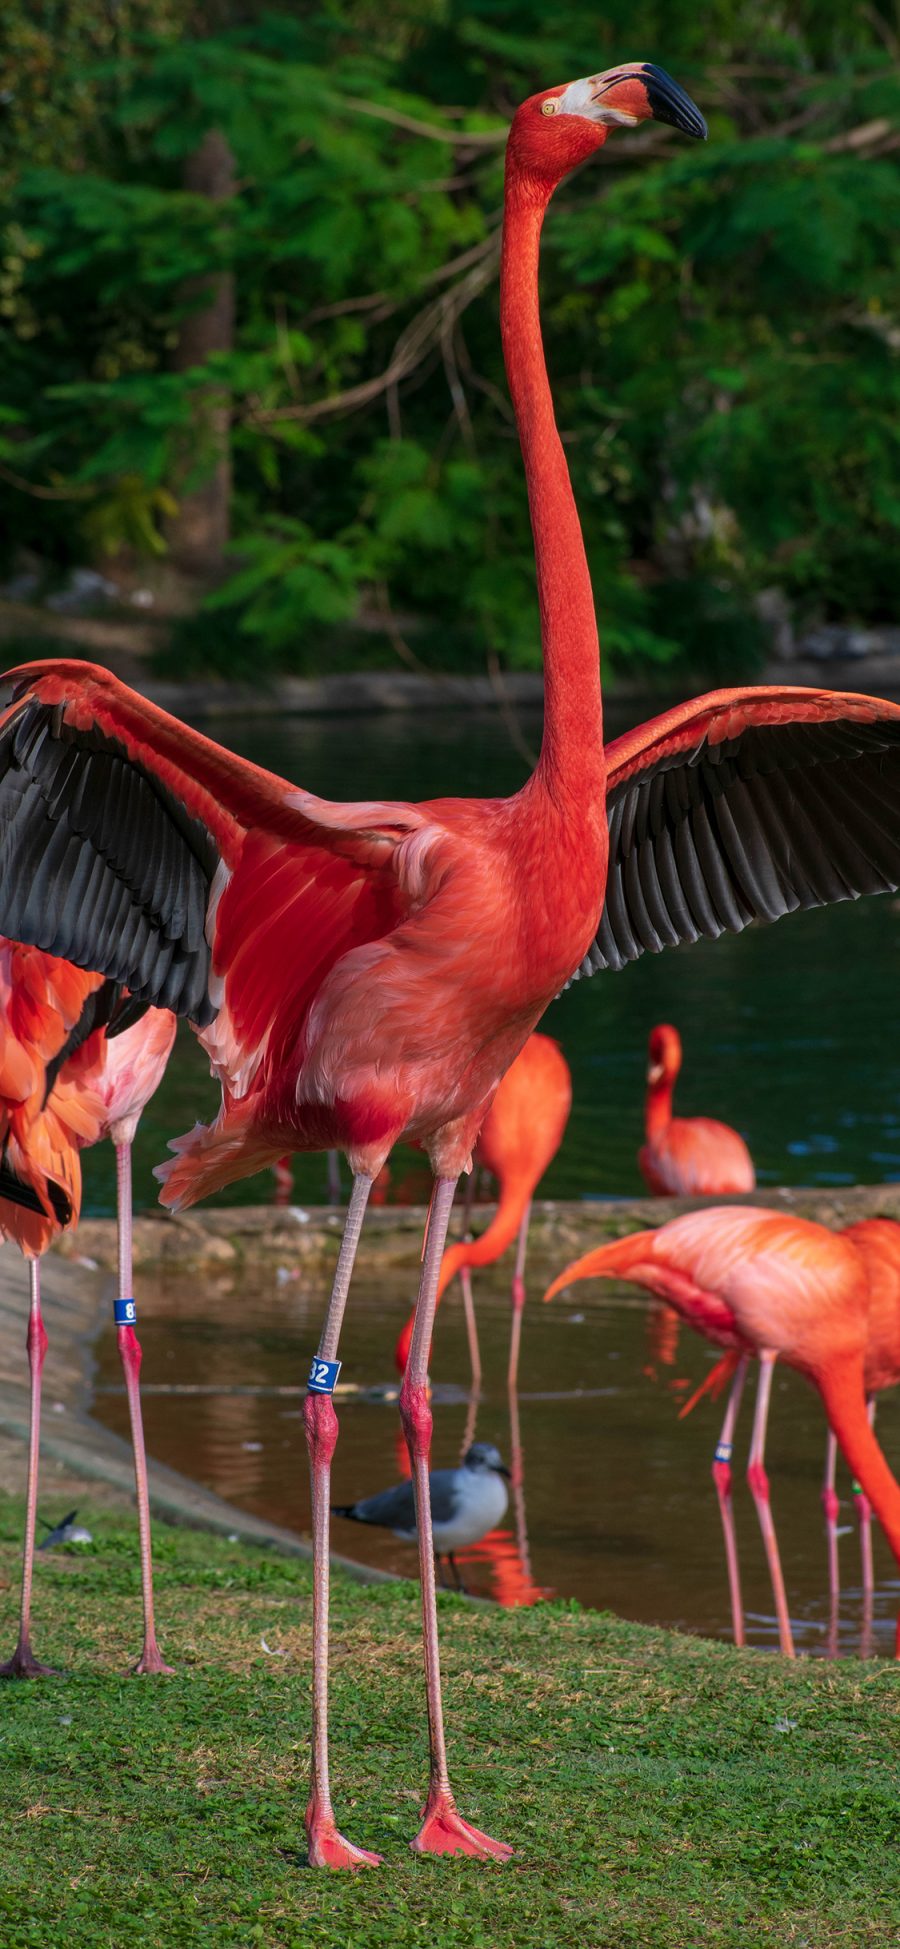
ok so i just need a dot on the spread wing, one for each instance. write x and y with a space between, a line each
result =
133 845
745 805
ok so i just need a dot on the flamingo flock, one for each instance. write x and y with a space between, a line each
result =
365 973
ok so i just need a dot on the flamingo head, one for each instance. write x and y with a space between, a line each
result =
559 128
663 1055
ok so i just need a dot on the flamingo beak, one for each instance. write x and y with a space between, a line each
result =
655 1074
669 103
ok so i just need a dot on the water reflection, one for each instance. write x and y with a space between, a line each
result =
612 1497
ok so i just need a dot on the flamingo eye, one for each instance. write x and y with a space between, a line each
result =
549 108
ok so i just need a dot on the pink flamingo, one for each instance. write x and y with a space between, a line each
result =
519 1139
367 972
66 1083
757 1282
686 1157
42 1005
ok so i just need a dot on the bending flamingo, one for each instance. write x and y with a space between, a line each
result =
364 973
83 1084
878 1240
686 1157
760 1283
519 1139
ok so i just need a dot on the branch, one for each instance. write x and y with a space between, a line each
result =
458 138
426 329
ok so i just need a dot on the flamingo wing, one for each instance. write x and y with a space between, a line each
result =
745 805
131 844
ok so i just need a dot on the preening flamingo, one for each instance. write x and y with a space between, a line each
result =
364 973
758 1282
82 1084
686 1157
46 1007
519 1139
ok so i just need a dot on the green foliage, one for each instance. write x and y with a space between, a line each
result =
721 322
660 1791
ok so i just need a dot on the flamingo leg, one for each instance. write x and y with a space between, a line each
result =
721 1470
23 1663
443 1830
831 1506
759 1489
327 1847
518 1299
150 1660
465 1280
864 1518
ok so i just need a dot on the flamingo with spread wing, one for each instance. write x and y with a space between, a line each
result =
361 973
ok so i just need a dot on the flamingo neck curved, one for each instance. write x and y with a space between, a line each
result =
658 1108
572 760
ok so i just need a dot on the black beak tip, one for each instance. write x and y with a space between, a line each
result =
669 103
503 1470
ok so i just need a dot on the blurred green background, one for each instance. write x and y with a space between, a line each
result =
249 301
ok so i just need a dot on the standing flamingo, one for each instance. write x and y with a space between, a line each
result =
686 1157
367 972
757 1282
519 1139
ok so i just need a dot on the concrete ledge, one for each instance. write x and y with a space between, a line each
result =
309 1235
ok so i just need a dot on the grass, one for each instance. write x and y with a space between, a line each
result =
660 1791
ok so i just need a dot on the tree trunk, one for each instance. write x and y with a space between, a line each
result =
198 534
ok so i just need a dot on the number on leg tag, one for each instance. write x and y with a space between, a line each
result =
124 1312
723 1451
322 1376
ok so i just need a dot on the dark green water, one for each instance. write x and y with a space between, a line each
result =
788 1031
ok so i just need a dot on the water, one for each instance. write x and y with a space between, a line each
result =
787 1030
618 1504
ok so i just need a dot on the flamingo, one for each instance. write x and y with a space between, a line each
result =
44 1006
759 1282
878 1240
686 1157
519 1139
362 973
66 1083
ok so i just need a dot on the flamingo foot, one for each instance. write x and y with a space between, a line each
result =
328 1848
443 1831
151 1665
24 1664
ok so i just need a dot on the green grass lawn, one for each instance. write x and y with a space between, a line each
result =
658 1790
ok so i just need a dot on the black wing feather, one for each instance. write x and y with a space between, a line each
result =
779 817
101 864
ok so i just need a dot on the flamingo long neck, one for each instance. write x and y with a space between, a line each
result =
658 1108
572 761
515 1196
843 1391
